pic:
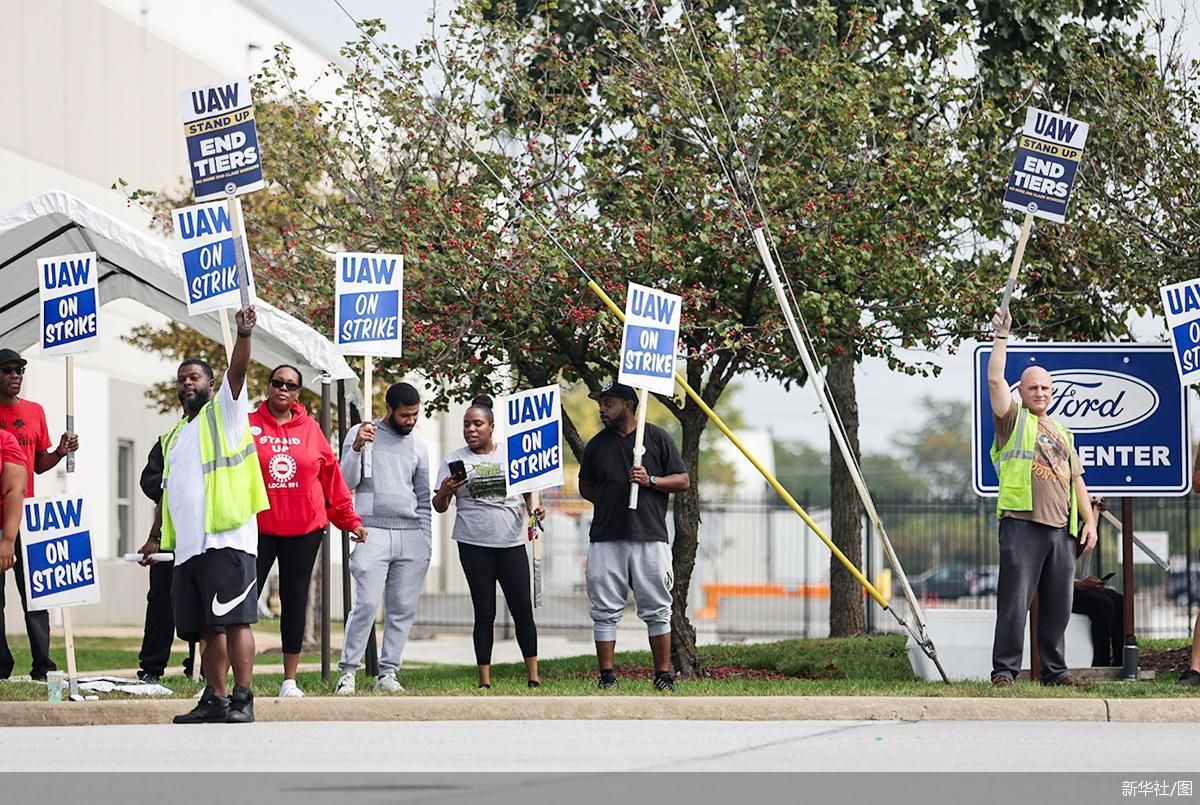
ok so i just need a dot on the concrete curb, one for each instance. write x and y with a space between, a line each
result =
616 708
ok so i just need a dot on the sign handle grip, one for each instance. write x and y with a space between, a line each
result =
69 641
368 414
240 251
71 408
1018 255
639 444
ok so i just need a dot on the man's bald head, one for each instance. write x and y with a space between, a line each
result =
1036 389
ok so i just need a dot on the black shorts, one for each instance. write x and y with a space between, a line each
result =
218 588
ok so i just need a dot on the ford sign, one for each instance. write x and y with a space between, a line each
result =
1094 401
1124 403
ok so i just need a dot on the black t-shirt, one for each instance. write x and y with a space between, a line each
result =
607 460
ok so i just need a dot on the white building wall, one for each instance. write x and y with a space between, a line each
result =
91 94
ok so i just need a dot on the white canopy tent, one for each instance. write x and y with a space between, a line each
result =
137 266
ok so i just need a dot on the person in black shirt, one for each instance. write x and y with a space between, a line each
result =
159 632
629 546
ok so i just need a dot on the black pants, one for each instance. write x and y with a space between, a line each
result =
296 555
1105 608
37 627
1041 559
510 567
159 632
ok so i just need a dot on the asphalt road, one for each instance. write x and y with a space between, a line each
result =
607 746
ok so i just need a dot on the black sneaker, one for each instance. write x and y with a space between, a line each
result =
664 681
148 678
211 709
1189 677
608 680
241 706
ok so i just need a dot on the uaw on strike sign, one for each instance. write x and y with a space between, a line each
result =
369 300
206 240
1048 154
1181 304
67 292
60 569
222 140
533 439
651 335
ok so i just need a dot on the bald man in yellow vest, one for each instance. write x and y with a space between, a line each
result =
1043 527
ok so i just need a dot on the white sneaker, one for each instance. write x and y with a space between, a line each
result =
387 684
345 685
289 690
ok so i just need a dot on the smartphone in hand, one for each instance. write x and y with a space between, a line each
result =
1108 576
458 470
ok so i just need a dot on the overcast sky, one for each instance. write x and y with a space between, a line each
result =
888 402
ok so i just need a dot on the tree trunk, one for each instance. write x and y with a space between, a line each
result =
846 613
684 657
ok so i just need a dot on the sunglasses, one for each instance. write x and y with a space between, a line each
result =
13 370
285 385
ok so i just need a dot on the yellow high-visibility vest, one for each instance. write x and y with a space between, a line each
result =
1014 468
234 490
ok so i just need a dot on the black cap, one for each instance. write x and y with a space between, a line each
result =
8 356
615 389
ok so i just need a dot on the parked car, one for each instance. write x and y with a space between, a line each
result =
1177 586
947 581
985 579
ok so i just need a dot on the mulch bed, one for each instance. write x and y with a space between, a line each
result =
1172 660
721 672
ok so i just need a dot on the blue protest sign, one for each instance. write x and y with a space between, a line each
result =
1125 406
648 346
533 439
222 140
69 307
1048 153
60 569
205 237
369 304
1181 304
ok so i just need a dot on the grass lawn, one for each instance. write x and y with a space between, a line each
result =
867 666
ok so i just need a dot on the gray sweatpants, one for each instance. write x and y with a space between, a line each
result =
612 569
1033 557
391 564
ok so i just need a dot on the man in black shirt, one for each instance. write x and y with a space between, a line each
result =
629 546
159 632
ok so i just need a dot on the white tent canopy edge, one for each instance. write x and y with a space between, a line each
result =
137 266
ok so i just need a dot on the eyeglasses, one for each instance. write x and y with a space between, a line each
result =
285 385
13 370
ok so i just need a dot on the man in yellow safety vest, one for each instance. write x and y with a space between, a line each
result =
213 490
1041 487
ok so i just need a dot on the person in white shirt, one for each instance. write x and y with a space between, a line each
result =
212 492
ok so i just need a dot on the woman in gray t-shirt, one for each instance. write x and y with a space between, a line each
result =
490 529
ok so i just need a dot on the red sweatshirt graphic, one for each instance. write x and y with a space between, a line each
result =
304 482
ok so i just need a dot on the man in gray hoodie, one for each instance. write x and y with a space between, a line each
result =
394 503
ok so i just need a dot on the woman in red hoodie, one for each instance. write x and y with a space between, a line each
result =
307 491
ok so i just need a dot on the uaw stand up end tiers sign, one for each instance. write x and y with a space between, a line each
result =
222 140
1048 153
1124 404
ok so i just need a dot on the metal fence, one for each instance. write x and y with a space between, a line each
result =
761 574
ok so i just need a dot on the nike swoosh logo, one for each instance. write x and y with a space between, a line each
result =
220 609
